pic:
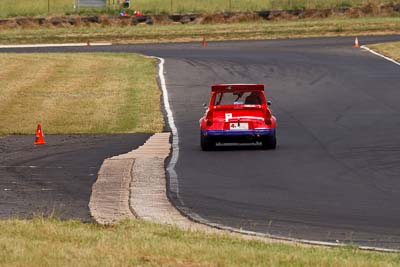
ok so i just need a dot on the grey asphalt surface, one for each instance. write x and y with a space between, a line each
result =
334 176
55 179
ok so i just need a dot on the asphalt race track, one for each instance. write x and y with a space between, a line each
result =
335 174
55 179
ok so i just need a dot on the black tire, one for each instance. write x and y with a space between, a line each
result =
206 143
269 142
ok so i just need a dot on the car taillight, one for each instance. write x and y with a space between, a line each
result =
209 118
268 119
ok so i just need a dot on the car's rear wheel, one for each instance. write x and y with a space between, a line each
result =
206 143
269 142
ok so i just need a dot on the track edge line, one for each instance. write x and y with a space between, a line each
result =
380 55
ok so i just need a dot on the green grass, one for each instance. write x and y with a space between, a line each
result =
48 242
11 8
79 93
195 32
391 50
14 8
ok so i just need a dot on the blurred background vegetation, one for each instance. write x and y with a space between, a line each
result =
15 8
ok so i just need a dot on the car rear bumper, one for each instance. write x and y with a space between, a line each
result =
242 136
243 133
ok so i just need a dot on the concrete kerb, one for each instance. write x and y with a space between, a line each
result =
133 185
110 198
109 201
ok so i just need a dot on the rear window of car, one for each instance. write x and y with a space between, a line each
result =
238 98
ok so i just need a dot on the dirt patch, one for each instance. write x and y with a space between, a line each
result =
221 17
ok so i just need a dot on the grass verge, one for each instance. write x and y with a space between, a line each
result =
48 242
79 93
391 50
195 32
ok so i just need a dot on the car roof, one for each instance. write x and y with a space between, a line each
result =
237 87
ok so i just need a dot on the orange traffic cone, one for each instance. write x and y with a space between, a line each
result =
39 136
204 43
356 44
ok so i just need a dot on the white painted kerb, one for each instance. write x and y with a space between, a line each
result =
173 177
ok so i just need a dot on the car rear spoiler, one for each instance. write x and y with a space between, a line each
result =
237 87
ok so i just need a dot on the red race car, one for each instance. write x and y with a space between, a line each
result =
238 113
